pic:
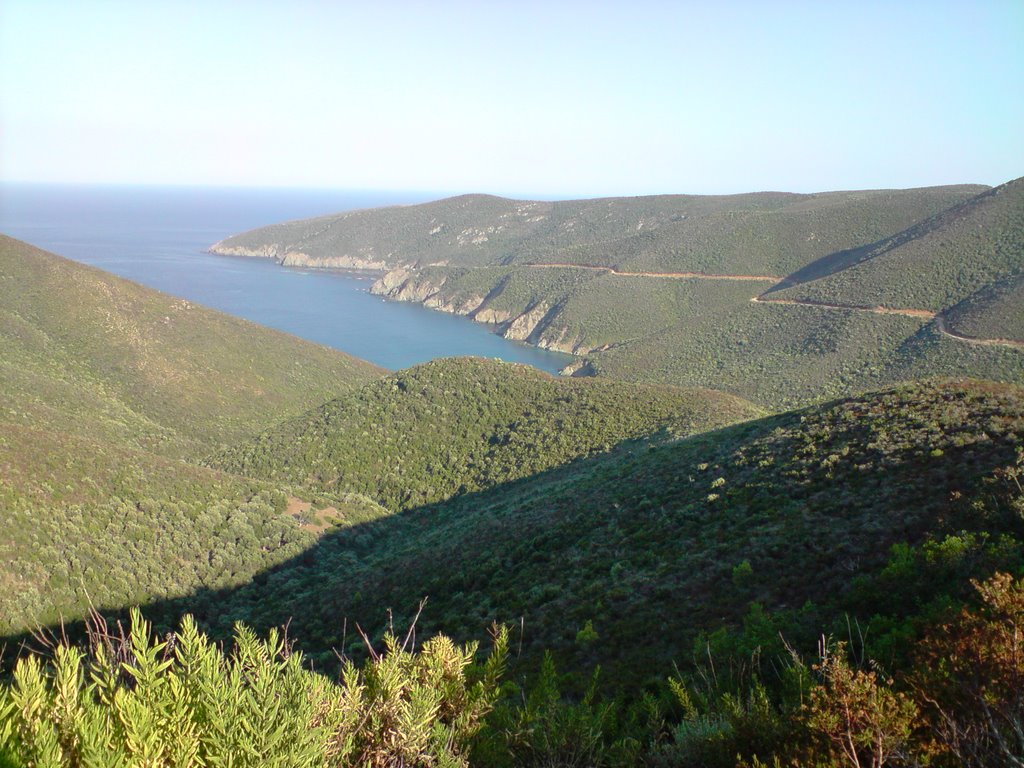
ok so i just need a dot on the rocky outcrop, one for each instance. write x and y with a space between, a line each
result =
492 316
300 259
265 251
455 306
403 284
291 258
389 281
560 341
524 326
579 368
533 325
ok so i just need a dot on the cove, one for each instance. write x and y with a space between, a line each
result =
157 236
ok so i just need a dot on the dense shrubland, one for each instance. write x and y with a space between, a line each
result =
132 699
457 426
760 233
654 542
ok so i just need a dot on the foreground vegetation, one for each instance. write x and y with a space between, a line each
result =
182 702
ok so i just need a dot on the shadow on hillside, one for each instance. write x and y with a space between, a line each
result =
265 601
645 540
840 260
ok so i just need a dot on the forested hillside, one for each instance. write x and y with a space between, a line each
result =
108 391
690 547
460 425
778 298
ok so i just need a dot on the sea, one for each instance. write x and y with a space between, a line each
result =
158 236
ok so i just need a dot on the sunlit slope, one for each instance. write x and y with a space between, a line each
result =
933 265
460 425
105 387
778 298
84 351
763 233
785 355
648 543
994 312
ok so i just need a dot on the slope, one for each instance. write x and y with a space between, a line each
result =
933 265
90 353
459 425
654 543
105 387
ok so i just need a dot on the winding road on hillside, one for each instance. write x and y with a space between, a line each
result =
925 314
671 275
940 321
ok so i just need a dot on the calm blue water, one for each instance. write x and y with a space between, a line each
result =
157 235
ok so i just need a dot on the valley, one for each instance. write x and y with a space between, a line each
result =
791 417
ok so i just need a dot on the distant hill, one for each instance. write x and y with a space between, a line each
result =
774 297
457 426
932 265
769 233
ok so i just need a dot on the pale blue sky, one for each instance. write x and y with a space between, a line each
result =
547 98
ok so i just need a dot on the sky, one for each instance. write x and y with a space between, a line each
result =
551 98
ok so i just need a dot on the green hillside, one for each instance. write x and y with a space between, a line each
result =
112 392
656 542
933 265
105 387
645 530
770 233
730 325
784 356
994 312
459 425
87 352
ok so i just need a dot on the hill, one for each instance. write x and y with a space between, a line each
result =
106 388
89 353
761 233
709 291
993 312
113 393
459 425
932 265
654 543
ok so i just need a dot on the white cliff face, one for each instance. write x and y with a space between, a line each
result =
492 316
266 251
291 258
524 326
537 325
389 281
299 259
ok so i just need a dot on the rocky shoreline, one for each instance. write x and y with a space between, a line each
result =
534 325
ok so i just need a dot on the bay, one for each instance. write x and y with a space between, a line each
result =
157 236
